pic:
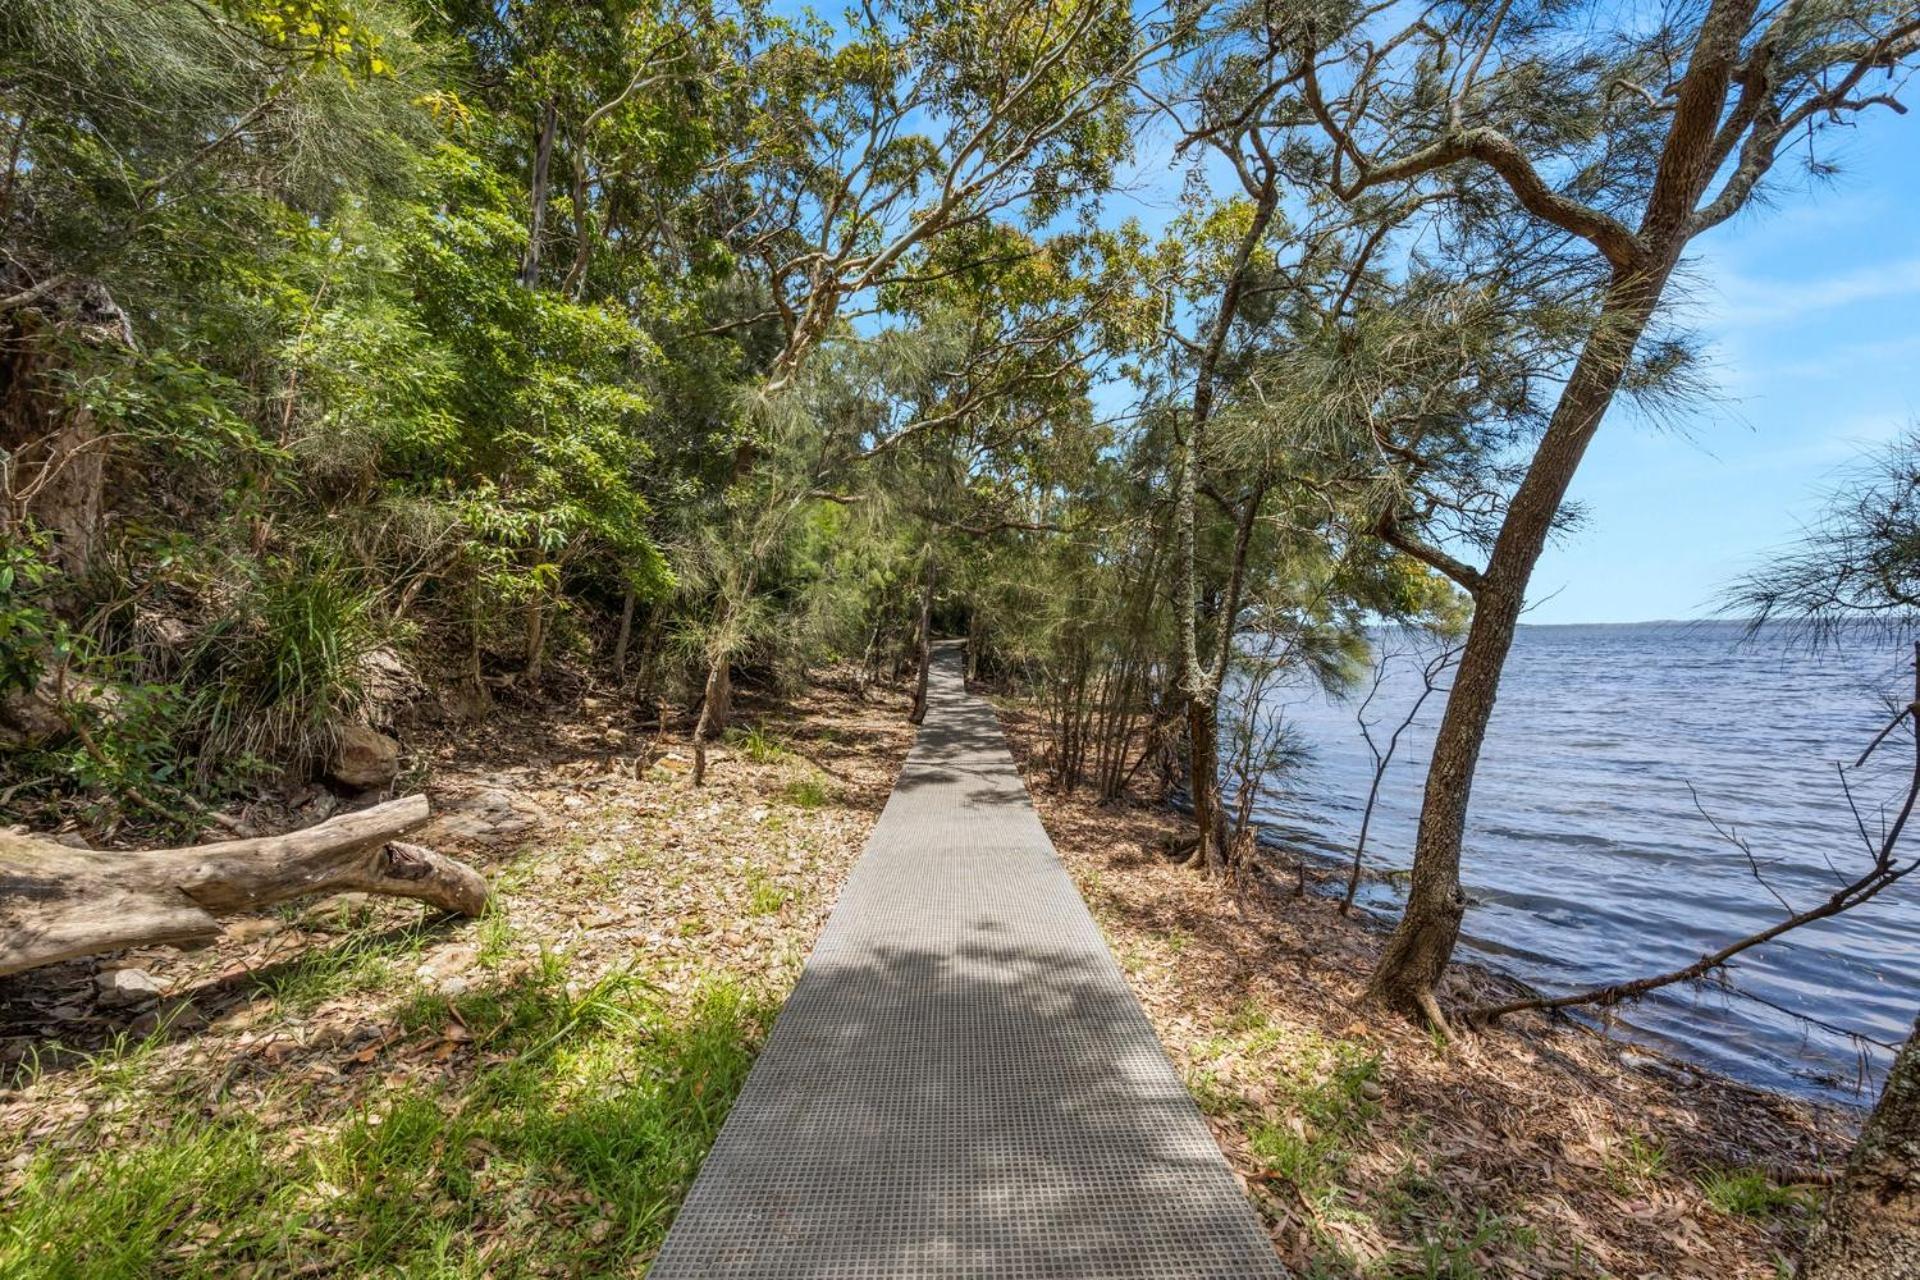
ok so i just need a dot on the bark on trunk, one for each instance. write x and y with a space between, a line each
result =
57 453
1417 954
1203 757
536 641
1870 1229
715 706
57 903
925 645
625 636
542 172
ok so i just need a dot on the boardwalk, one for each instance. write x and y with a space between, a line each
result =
961 1083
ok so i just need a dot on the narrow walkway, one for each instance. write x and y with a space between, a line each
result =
961 1083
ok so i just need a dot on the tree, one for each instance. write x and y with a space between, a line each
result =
1861 563
1592 138
1870 1227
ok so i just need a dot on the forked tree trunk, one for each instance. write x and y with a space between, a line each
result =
1417 954
1870 1228
57 903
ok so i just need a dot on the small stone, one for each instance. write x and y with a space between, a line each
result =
364 758
119 988
452 986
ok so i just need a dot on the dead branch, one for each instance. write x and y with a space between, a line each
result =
57 903
1884 872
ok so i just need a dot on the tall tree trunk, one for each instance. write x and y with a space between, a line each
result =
1203 767
924 643
1199 686
1417 953
542 171
1870 1229
626 635
536 640
716 704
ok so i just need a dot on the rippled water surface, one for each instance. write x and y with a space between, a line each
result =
1588 859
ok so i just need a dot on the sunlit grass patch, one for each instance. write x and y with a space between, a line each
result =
765 896
1748 1193
565 1151
757 745
807 793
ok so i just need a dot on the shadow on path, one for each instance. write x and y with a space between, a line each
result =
961 1083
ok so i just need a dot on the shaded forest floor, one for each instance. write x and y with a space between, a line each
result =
354 1087
1374 1150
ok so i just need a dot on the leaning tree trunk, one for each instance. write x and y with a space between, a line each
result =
1870 1229
1417 954
57 903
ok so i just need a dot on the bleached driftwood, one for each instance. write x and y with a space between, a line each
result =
57 903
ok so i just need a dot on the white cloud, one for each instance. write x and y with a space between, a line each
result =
1749 302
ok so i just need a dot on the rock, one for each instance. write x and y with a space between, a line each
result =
363 758
119 988
31 717
386 679
1371 1090
451 986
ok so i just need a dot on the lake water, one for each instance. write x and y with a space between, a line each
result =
1588 860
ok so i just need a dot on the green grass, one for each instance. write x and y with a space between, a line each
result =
1748 1193
1636 1161
1453 1253
758 745
364 960
807 793
764 896
567 1152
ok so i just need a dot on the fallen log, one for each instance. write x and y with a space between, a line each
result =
57 903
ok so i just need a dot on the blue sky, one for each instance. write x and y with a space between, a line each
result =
1810 310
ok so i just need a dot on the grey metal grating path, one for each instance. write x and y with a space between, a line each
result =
962 1084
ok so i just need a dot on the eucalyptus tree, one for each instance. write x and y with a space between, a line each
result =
912 120
1615 137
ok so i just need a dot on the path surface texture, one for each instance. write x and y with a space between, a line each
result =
962 1084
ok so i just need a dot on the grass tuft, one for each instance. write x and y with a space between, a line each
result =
807 793
1748 1193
